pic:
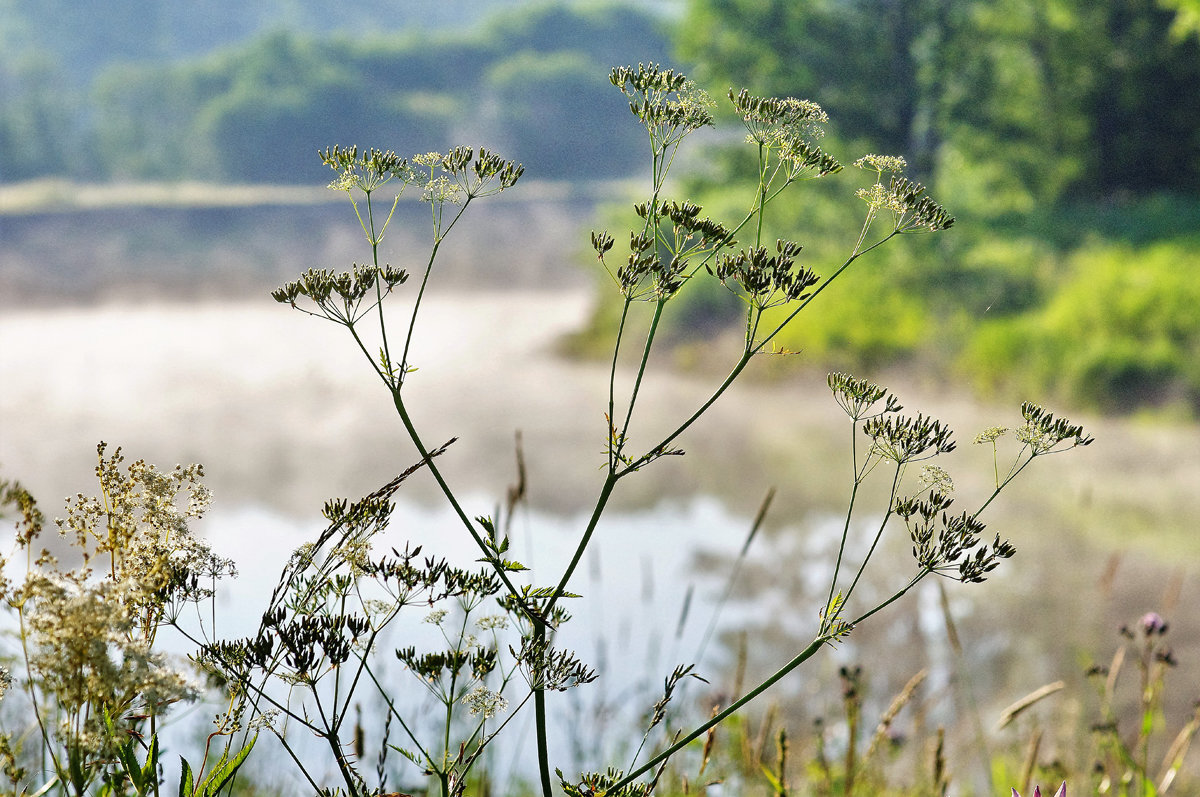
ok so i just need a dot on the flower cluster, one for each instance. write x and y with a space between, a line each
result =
688 235
882 163
768 279
990 435
339 297
666 102
778 120
440 177
1042 432
138 527
89 632
857 397
86 650
936 478
482 700
366 173
903 439
545 667
911 209
944 543
790 127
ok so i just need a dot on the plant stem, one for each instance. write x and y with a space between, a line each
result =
450 497
637 384
612 380
846 524
882 524
717 719
737 369
539 708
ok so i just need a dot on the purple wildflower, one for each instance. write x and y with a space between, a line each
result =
1152 623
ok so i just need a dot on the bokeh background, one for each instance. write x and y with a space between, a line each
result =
158 176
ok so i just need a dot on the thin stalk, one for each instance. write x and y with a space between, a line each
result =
759 518
761 199
362 665
637 384
462 631
392 710
439 236
450 497
449 719
751 323
33 701
837 566
330 734
470 760
879 534
854 256
375 239
737 369
897 596
601 501
612 380
717 719
412 322
745 359
539 630
539 710
1012 474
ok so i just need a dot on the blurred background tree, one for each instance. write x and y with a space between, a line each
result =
1064 134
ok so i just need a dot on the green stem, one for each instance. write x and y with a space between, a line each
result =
897 596
637 384
439 236
387 353
539 631
799 659
605 493
539 709
857 254
612 381
879 534
837 567
489 556
412 322
761 199
392 710
737 369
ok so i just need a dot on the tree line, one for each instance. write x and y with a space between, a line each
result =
1064 134
532 83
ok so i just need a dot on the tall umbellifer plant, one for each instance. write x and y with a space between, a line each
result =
321 640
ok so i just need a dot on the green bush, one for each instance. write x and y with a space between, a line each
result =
1120 332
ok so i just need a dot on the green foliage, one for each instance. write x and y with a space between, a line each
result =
1120 332
1001 106
289 93
210 784
869 325
1051 126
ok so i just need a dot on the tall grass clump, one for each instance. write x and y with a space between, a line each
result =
325 649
